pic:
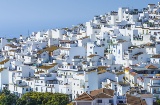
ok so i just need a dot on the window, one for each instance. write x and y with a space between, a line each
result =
99 101
36 88
120 101
114 58
111 101
119 52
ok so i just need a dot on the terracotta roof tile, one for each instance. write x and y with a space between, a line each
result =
103 95
4 61
11 45
84 37
85 97
132 100
1 69
92 55
109 92
100 93
49 49
156 56
46 67
151 67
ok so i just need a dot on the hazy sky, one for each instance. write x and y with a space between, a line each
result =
19 16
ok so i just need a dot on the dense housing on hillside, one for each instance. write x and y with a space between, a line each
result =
112 59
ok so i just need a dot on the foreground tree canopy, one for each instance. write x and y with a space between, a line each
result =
7 98
34 98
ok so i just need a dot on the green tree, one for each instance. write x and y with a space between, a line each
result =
37 98
7 98
158 102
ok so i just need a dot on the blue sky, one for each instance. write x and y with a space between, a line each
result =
19 16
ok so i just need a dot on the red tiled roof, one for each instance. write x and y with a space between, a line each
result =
132 100
84 97
103 95
109 92
100 93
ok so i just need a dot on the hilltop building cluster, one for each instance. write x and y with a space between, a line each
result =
112 59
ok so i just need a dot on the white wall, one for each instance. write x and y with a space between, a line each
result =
4 77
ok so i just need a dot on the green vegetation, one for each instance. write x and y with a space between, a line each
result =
158 102
14 40
33 98
7 98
